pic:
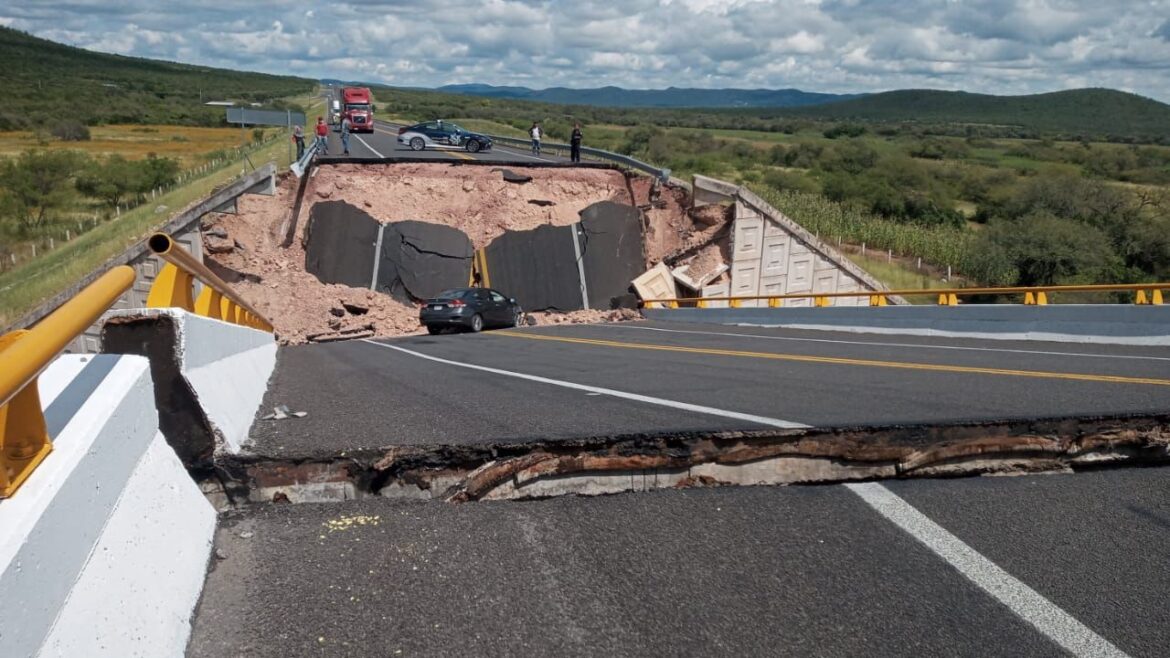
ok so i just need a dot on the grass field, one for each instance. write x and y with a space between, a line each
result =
183 143
900 275
21 289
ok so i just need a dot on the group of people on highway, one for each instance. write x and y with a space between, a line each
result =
321 143
536 133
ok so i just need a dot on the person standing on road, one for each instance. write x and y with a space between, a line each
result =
322 144
299 137
346 128
536 133
575 143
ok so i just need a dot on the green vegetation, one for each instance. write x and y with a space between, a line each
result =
47 84
52 271
1075 114
992 207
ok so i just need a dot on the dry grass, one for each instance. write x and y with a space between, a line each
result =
183 143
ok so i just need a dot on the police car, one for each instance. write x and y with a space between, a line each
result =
442 135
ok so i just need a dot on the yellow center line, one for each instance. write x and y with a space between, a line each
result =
1039 374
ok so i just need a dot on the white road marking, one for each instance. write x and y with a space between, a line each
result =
359 138
1027 603
621 325
684 406
515 151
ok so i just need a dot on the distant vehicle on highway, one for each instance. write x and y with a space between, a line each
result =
470 308
355 105
443 135
335 113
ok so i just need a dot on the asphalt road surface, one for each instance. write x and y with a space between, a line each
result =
1024 566
383 143
600 380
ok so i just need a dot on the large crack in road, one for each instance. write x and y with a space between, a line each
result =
640 462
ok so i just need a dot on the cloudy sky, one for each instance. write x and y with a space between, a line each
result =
992 46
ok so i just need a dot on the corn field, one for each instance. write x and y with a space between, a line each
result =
941 246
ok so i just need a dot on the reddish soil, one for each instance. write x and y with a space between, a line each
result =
474 199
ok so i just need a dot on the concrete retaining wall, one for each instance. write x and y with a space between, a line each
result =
211 369
105 547
773 255
1118 324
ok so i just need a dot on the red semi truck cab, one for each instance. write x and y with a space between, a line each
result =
355 104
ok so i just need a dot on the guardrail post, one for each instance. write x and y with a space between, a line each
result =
878 300
209 303
172 287
774 302
1156 297
948 299
24 439
733 303
1141 298
820 301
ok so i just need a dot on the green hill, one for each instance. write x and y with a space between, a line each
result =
45 83
1079 112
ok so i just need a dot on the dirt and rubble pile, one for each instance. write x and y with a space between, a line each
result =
247 249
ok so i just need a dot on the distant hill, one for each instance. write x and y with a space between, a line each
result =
46 82
1089 112
672 97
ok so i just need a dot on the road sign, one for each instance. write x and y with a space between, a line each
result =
249 117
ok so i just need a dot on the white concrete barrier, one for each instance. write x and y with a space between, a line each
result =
223 366
105 547
1117 324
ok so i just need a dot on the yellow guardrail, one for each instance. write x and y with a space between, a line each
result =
1144 293
24 439
174 288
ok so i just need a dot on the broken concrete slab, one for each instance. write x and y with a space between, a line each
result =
209 376
656 283
513 177
340 241
537 267
419 260
611 247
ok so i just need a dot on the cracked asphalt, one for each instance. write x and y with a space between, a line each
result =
730 571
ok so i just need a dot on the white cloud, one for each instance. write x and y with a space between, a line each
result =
993 46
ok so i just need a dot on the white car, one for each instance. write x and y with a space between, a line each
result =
442 135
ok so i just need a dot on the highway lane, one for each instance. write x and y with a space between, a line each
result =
595 380
383 143
1077 561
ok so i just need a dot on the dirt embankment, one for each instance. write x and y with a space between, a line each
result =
246 248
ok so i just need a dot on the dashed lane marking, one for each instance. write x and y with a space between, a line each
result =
1025 602
636 397
972 370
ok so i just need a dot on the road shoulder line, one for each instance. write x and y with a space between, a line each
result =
636 397
1048 618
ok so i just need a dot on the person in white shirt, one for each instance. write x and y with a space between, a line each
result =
536 134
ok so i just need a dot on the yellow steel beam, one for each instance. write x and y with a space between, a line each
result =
172 288
24 440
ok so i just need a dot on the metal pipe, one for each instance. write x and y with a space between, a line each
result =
165 247
32 352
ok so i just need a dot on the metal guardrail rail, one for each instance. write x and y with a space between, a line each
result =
1144 293
173 288
662 174
24 354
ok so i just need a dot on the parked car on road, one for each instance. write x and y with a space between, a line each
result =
470 308
442 135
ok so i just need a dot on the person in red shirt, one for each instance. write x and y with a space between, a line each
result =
322 136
